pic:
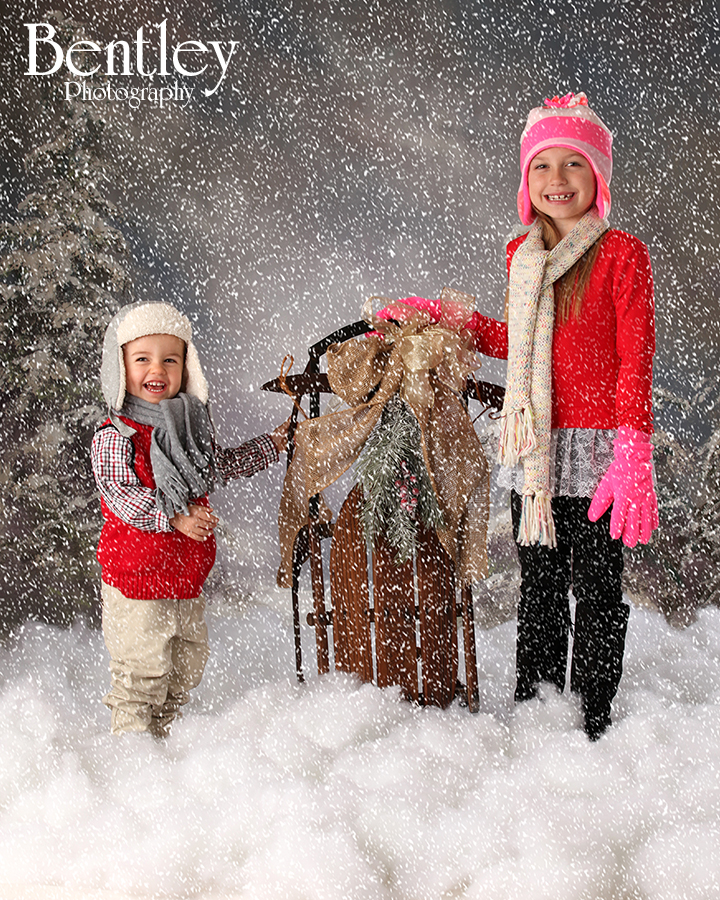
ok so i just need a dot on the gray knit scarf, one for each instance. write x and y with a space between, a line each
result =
181 448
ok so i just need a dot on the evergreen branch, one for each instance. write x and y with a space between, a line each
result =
398 493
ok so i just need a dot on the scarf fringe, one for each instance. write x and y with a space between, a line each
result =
536 521
517 436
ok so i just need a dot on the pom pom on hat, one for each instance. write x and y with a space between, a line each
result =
566 122
137 320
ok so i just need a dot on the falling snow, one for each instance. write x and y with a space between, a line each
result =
358 149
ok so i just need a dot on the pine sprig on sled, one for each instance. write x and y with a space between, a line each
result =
398 494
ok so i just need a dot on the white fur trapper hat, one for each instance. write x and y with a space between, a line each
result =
137 320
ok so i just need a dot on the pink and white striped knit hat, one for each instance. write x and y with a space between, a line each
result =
566 122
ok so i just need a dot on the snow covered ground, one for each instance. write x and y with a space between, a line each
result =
337 790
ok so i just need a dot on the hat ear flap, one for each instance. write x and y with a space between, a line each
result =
602 199
122 379
524 206
195 382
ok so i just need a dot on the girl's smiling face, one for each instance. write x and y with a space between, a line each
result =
561 184
154 366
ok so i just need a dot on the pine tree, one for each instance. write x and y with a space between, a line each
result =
679 571
700 565
62 276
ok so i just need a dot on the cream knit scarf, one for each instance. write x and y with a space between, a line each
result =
527 412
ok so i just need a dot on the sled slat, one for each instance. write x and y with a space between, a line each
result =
394 603
350 592
438 628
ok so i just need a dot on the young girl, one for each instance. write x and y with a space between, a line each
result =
577 419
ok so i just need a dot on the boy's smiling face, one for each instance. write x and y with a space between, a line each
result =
154 366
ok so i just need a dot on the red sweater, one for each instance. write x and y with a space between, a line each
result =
152 565
601 362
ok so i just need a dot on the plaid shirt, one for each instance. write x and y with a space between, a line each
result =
112 463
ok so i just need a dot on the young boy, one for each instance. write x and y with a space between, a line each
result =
155 460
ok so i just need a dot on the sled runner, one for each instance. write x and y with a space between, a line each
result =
394 624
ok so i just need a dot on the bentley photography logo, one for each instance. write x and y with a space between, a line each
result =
149 55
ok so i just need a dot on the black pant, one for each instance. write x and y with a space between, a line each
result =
590 562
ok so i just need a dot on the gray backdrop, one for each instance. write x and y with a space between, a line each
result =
372 148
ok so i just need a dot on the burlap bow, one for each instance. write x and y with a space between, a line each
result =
427 364
435 350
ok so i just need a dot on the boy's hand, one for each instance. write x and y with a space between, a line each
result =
280 436
199 525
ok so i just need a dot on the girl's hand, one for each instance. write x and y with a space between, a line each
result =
454 315
403 310
198 525
628 486
449 314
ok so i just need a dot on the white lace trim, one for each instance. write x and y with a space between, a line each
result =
579 457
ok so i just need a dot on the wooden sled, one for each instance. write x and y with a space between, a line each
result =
394 625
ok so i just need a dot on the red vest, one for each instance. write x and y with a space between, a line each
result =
152 565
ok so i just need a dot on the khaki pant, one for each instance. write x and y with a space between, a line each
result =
158 650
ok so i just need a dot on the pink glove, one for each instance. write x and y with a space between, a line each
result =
400 312
628 485
473 325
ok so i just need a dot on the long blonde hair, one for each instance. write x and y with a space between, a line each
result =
570 289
